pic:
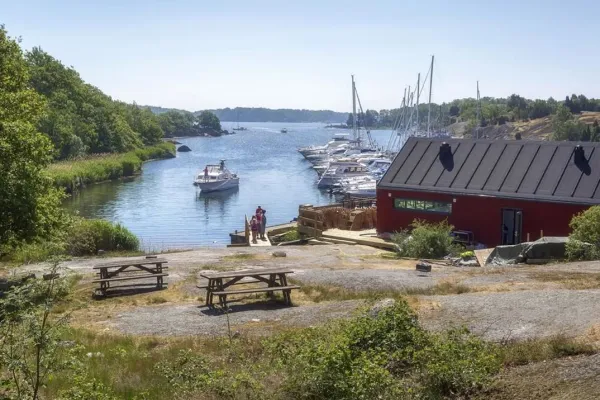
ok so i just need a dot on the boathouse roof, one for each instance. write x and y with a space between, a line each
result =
524 169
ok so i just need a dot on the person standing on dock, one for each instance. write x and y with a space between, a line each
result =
263 225
206 173
254 228
259 216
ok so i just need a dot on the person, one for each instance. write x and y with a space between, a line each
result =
258 210
206 173
254 228
263 225
259 216
222 165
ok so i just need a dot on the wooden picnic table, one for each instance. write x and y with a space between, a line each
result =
130 270
275 278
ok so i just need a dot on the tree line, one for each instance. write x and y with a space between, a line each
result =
496 111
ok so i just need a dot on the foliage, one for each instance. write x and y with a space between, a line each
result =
80 119
29 206
387 355
256 114
291 235
85 388
208 120
29 339
70 175
177 123
425 240
584 240
87 236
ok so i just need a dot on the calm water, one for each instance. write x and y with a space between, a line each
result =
166 210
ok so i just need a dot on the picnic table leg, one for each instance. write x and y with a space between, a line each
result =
159 279
286 293
272 283
209 290
222 297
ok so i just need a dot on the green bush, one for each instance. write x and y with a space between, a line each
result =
426 240
87 236
70 175
383 356
584 240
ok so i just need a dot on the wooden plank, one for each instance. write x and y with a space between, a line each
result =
143 261
129 278
310 214
256 290
248 273
310 222
306 230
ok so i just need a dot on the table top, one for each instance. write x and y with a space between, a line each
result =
248 272
140 261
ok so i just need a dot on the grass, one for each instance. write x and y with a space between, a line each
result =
240 257
71 175
569 280
320 293
538 350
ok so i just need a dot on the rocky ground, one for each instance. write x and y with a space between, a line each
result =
499 303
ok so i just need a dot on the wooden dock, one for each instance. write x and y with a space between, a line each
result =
364 237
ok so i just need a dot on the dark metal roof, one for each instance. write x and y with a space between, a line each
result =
524 169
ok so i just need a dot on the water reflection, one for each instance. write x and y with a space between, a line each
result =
166 211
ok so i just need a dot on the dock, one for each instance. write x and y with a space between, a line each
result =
366 237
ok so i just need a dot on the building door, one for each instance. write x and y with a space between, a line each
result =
512 222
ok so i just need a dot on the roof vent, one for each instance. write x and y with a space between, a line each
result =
580 161
446 157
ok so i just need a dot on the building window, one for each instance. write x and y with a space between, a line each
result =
423 205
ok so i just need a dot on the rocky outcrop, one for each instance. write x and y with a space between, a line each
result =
183 148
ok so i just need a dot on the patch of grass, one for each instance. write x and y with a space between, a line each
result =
71 175
319 293
240 257
569 280
536 350
157 300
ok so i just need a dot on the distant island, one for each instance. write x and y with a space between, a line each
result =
247 114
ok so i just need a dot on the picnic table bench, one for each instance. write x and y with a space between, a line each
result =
128 270
275 278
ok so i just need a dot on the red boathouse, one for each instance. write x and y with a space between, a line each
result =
501 191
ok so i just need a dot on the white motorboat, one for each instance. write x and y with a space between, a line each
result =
366 189
339 171
216 178
337 140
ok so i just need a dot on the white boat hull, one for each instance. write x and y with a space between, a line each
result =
216 186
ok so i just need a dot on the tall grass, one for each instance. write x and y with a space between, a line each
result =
71 175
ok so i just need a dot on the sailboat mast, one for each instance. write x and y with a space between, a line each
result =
354 109
430 86
418 95
478 111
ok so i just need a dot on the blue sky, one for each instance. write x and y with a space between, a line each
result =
279 54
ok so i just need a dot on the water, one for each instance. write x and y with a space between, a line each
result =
165 210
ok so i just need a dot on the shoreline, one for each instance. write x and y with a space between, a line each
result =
71 176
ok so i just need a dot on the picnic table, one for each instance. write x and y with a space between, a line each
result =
275 278
150 267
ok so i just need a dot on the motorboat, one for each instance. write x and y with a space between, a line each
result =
338 171
284 130
216 178
337 140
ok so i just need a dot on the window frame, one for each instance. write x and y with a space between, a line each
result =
424 206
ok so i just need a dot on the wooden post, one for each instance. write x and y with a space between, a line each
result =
528 236
541 233
246 230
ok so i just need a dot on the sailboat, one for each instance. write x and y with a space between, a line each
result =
239 128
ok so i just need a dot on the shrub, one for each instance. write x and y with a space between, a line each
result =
384 356
584 240
426 240
87 236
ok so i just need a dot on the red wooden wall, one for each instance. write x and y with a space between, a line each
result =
481 215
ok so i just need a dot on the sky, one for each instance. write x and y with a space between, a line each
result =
202 54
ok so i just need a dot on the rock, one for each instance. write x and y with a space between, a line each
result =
183 148
423 267
48 277
279 254
469 263
381 305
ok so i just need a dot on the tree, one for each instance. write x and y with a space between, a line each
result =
539 109
29 206
565 127
518 105
208 120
